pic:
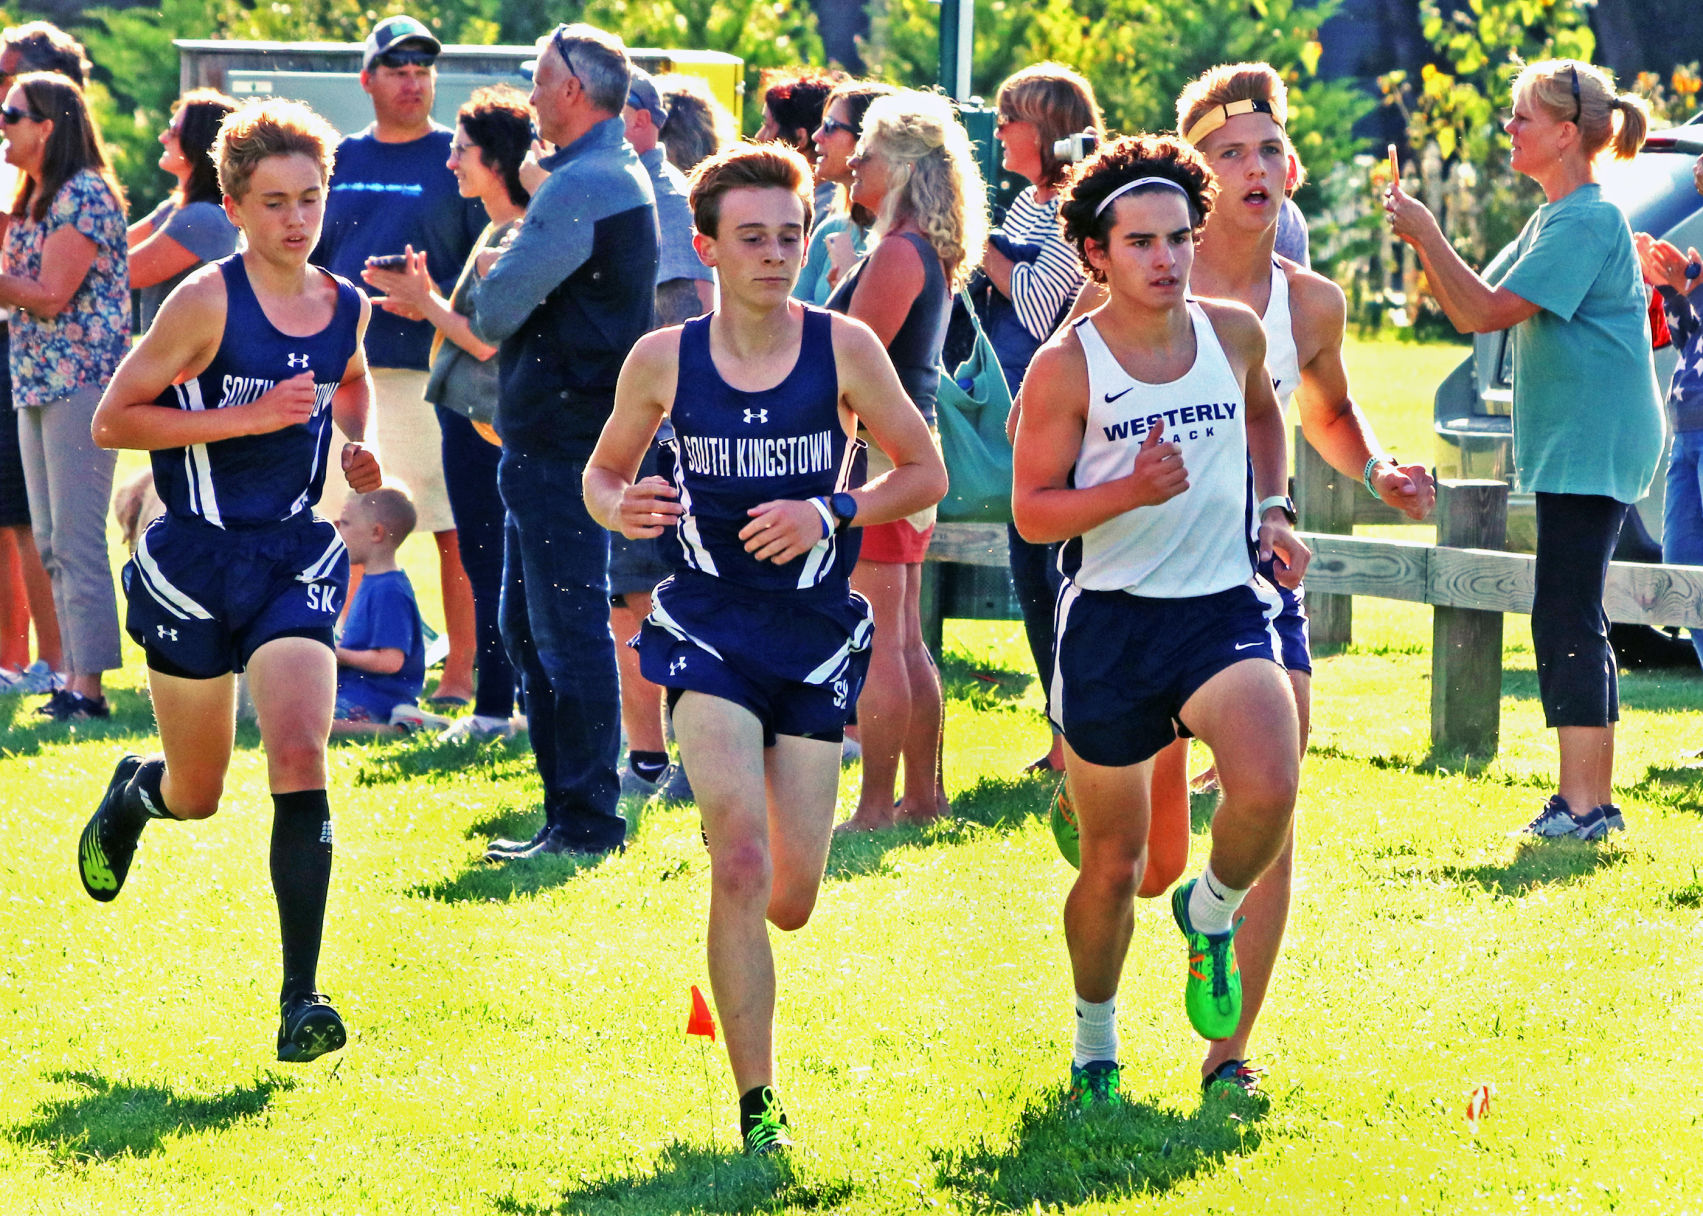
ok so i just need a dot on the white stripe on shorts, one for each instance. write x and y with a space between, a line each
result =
659 616
160 587
326 561
1067 596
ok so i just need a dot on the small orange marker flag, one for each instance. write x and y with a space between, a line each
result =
1478 1105
700 1023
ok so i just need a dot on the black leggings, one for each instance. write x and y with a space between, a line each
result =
1576 679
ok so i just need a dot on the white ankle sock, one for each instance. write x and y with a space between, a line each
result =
1212 905
1096 1031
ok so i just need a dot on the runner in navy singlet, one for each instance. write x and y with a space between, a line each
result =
758 637
1148 432
234 390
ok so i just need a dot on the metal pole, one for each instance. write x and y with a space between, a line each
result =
957 28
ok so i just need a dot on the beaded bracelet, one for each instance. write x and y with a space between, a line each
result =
1372 463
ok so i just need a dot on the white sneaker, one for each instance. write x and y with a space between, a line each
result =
850 749
478 727
38 679
412 719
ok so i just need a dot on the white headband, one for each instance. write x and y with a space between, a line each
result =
1136 184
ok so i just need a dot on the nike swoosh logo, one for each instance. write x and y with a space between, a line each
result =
1246 645
1114 396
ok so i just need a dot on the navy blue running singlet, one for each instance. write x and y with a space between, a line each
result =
732 450
251 480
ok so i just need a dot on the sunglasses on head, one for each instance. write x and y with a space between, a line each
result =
405 59
831 125
12 114
560 42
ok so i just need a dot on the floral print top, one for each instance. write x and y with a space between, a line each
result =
53 358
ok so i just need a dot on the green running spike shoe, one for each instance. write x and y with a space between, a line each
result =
1093 1083
1212 993
768 1132
105 849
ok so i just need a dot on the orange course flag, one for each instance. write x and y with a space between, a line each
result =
700 1023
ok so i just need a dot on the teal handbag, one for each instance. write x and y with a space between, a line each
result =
972 408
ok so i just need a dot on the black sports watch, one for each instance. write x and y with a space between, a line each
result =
843 507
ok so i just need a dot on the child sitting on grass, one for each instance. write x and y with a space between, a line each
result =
381 655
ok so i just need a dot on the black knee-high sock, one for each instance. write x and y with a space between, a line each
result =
301 874
142 799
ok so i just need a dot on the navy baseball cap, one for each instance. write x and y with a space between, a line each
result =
642 95
398 33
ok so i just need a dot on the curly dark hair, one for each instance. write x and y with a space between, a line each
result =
1117 164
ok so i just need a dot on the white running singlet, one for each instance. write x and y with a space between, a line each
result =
1282 359
1199 542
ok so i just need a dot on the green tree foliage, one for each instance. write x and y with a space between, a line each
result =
1457 105
764 33
1139 54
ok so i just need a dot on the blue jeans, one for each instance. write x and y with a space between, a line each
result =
470 476
1682 513
555 619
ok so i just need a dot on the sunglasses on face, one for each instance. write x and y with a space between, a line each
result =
406 59
831 125
12 114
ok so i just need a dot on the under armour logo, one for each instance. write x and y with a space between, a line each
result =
677 666
756 415
167 633
292 360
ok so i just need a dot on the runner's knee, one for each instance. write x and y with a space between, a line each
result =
742 871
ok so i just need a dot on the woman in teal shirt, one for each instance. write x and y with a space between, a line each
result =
1588 421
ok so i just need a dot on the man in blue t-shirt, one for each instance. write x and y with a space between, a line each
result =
392 190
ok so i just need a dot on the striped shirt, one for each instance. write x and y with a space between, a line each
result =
1041 289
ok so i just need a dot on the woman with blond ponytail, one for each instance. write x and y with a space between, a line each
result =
915 172
1588 422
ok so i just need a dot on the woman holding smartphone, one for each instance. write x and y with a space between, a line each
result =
1588 425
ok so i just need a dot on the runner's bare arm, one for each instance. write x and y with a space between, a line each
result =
1331 421
642 398
1044 505
1243 338
182 341
870 388
350 405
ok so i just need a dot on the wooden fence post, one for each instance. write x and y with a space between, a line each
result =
1325 502
932 606
1466 645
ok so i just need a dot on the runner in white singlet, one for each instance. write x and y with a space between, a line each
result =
1148 434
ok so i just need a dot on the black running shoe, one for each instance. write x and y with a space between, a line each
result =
105 848
308 1028
768 1132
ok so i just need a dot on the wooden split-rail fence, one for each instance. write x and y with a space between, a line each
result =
1466 578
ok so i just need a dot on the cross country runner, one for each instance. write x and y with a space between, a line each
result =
1236 115
758 637
1148 428
234 390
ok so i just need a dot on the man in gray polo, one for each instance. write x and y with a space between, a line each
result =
564 300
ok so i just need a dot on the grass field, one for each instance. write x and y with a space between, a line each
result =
517 1033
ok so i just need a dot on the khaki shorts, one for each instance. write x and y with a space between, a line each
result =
409 442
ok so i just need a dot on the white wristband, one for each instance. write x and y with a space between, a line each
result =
821 505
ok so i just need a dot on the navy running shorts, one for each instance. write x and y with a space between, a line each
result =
797 663
1127 664
203 599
